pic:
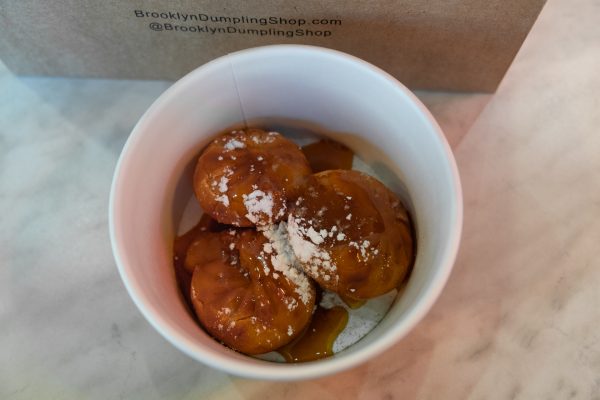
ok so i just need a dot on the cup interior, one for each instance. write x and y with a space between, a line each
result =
295 87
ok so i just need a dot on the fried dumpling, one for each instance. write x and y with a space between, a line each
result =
245 177
246 298
351 234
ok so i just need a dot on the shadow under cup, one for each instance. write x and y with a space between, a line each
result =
324 90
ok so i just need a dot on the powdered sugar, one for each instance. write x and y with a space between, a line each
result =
269 138
258 203
304 242
223 184
283 260
234 144
223 199
314 236
365 249
322 241
268 248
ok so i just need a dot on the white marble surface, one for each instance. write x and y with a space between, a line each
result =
519 318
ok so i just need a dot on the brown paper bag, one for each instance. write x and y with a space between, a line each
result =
463 45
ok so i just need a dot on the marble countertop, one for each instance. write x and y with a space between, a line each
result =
519 318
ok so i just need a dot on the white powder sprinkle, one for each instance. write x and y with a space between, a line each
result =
231 246
220 158
258 203
303 249
281 212
234 144
316 261
349 217
314 236
267 248
223 199
363 248
291 303
259 158
269 139
223 184
290 331
340 236
285 262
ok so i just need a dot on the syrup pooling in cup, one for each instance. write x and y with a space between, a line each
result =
327 154
237 262
317 340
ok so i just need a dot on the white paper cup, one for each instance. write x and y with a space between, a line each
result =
365 108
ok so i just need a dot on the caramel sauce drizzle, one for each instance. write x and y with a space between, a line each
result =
317 340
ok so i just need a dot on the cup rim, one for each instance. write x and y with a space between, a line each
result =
278 371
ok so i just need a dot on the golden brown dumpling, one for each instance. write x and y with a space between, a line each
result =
245 177
351 234
211 246
181 245
247 297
